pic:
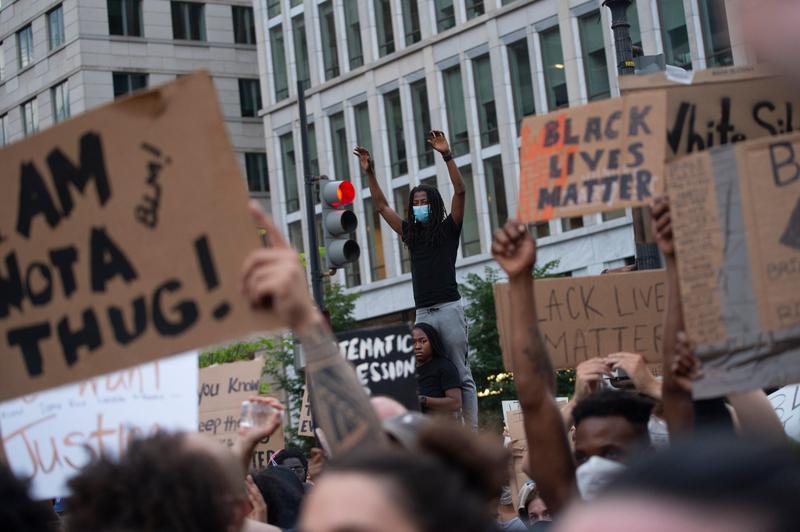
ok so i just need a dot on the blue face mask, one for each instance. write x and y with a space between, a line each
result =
422 213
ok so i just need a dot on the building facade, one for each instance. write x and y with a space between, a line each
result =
59 58
382 73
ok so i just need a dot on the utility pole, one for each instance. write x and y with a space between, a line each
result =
313 254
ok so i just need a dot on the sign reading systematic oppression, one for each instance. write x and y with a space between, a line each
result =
587 317
122 236
219 397
736 222
49 436
598 157
384 361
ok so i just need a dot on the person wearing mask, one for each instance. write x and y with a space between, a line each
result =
432 237
437 378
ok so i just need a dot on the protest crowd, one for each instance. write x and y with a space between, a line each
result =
643 444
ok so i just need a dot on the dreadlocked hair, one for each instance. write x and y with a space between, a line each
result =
431 232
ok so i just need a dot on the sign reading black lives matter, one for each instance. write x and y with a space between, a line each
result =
383 358
122 236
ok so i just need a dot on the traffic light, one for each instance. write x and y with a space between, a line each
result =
338 222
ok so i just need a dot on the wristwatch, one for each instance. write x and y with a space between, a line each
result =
448 157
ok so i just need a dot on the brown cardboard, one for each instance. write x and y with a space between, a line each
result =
736 221
170 227
598 157
586 317
221 391
516 430
306 424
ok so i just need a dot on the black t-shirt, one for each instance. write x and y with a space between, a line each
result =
433 267
436 377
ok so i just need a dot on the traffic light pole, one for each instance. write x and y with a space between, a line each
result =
313 255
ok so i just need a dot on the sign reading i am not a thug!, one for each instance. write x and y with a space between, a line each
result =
597 157
122 235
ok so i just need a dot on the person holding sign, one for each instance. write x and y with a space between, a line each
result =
437 377
432 237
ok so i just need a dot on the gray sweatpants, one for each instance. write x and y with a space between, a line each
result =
448 319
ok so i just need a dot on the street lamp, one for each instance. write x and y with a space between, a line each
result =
622 35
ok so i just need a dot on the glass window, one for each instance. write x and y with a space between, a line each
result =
30 118
521 80
422 120
470 230
456 114
594 56
4 130
554 77
244 26
256 168
188 21
394 125
474 8
635 29
568 224
25 46
355 52
484 99
330 53
411 22
59 95
508 1
249 97
125 17
363 133
540 229
273 8
383 23
294 3
401 206
339 146
55 27
296 236
613 215
430 181
445 15
674 34
279 76
127 82
289 173
301 51
495 192
352 270
377 263
715 33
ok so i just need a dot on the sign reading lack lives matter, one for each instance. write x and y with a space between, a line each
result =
122 235
219 397
586 317
598 157
51 435
384 361
736 221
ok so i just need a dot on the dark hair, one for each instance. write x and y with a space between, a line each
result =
160 484
291 452
18 512
427 233
283 494
435 340
446 485
606 403
715 474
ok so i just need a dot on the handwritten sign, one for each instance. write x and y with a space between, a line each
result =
49 436
786 403
122 235
384 361
598 157
736 223
586 317
306 421
219 398
722 106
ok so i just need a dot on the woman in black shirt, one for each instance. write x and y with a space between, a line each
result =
437 378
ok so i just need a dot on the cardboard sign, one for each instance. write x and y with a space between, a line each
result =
384 361
519 449
716 107
122 236
586 317
306 423
598 157
219 397
736 222
51 435
786 403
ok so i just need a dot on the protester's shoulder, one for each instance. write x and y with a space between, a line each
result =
452 227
